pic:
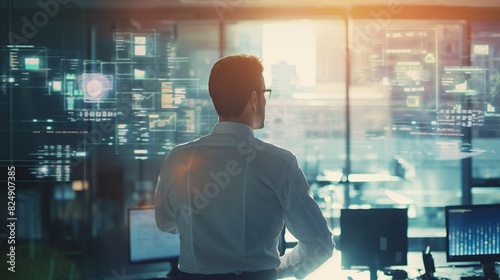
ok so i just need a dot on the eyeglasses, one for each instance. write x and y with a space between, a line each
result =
267 93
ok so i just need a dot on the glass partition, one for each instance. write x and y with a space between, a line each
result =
409 116
485 54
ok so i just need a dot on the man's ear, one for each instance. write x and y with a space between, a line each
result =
254 99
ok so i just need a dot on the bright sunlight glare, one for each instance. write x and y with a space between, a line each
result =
293 43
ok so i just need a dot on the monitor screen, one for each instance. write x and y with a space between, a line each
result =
373 238
147 243
473 233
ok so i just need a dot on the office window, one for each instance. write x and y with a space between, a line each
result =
408 116
485 55
304 66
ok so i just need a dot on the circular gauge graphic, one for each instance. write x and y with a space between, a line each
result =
95 87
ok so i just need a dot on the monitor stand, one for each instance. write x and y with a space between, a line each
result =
173 274
489 270
373 272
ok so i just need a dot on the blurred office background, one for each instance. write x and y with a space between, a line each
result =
385 104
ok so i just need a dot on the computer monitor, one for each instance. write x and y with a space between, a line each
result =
148 244
373 238
473 234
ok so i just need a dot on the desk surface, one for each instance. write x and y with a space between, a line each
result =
331 269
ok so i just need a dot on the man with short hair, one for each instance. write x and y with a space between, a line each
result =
228 194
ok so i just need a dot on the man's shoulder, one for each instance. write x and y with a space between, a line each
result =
186 146
275 149
267 148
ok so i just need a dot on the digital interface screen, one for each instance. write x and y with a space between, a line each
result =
136 106
24 66
144 99
462 98
431 94
412 55
485 46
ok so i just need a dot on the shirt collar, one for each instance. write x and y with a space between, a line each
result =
235 128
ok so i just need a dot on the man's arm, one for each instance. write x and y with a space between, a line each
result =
164 214
305 221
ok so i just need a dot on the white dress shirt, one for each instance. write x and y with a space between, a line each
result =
228 195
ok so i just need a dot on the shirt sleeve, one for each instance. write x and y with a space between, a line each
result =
164 214
305 221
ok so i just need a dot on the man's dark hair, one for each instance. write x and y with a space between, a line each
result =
231 81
